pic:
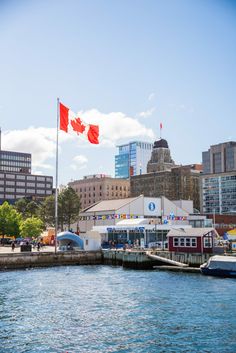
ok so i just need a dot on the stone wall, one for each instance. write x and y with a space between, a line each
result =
28 260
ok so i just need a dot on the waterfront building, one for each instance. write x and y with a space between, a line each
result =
137 218
132 159
193 240
218 181
16 180
94 188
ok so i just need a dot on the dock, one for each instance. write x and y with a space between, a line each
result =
178 269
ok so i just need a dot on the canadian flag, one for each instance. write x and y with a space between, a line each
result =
70 121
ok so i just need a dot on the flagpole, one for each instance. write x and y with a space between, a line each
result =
56 192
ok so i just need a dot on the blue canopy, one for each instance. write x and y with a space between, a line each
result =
69 238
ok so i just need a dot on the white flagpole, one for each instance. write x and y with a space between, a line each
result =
56 192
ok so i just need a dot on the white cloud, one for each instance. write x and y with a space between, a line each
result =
115 126
79 162
147 113
41 141
151 96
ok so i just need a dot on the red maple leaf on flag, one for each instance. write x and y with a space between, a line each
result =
77 125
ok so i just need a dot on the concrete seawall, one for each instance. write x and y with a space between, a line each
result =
46 259
139 259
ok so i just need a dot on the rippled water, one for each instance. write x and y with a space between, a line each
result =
109 309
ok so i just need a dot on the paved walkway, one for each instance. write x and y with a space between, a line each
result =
7 249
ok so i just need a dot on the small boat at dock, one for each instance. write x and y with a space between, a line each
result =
221 266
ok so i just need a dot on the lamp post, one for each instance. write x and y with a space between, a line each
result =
214 217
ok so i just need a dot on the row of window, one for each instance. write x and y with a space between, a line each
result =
29 184
20 193
15 163
14 157
191 242
100 188
100 194
26 177
28 191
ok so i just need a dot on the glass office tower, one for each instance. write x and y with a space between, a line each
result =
132 159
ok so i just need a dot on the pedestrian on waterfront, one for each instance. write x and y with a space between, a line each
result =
38 246
13 246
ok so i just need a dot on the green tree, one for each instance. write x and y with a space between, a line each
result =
9 220
68 208
27 208
32 209
31 227
47 211
20 205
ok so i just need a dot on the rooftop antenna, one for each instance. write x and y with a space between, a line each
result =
160 130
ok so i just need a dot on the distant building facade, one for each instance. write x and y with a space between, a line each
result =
132 159
220 158
160 158
16 180
180 183
218 181
94 188
164 178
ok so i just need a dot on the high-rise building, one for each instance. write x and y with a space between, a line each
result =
218 181
132 159
164 178
16 180
94 188
220 158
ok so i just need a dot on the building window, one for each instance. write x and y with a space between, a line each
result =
10 183
20 183
194 242
40 191
30 177
20 190
40 178
10 176
22 177
182 242
176 242
30 191
207 242
187 242
9 196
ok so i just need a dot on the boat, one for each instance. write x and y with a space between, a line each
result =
221 266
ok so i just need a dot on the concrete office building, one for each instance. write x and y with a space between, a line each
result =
218 181
94 188
16 180
132 159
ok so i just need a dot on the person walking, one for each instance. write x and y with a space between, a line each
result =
13 246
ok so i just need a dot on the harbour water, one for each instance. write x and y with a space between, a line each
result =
109 309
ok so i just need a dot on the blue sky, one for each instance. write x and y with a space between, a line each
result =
127 65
